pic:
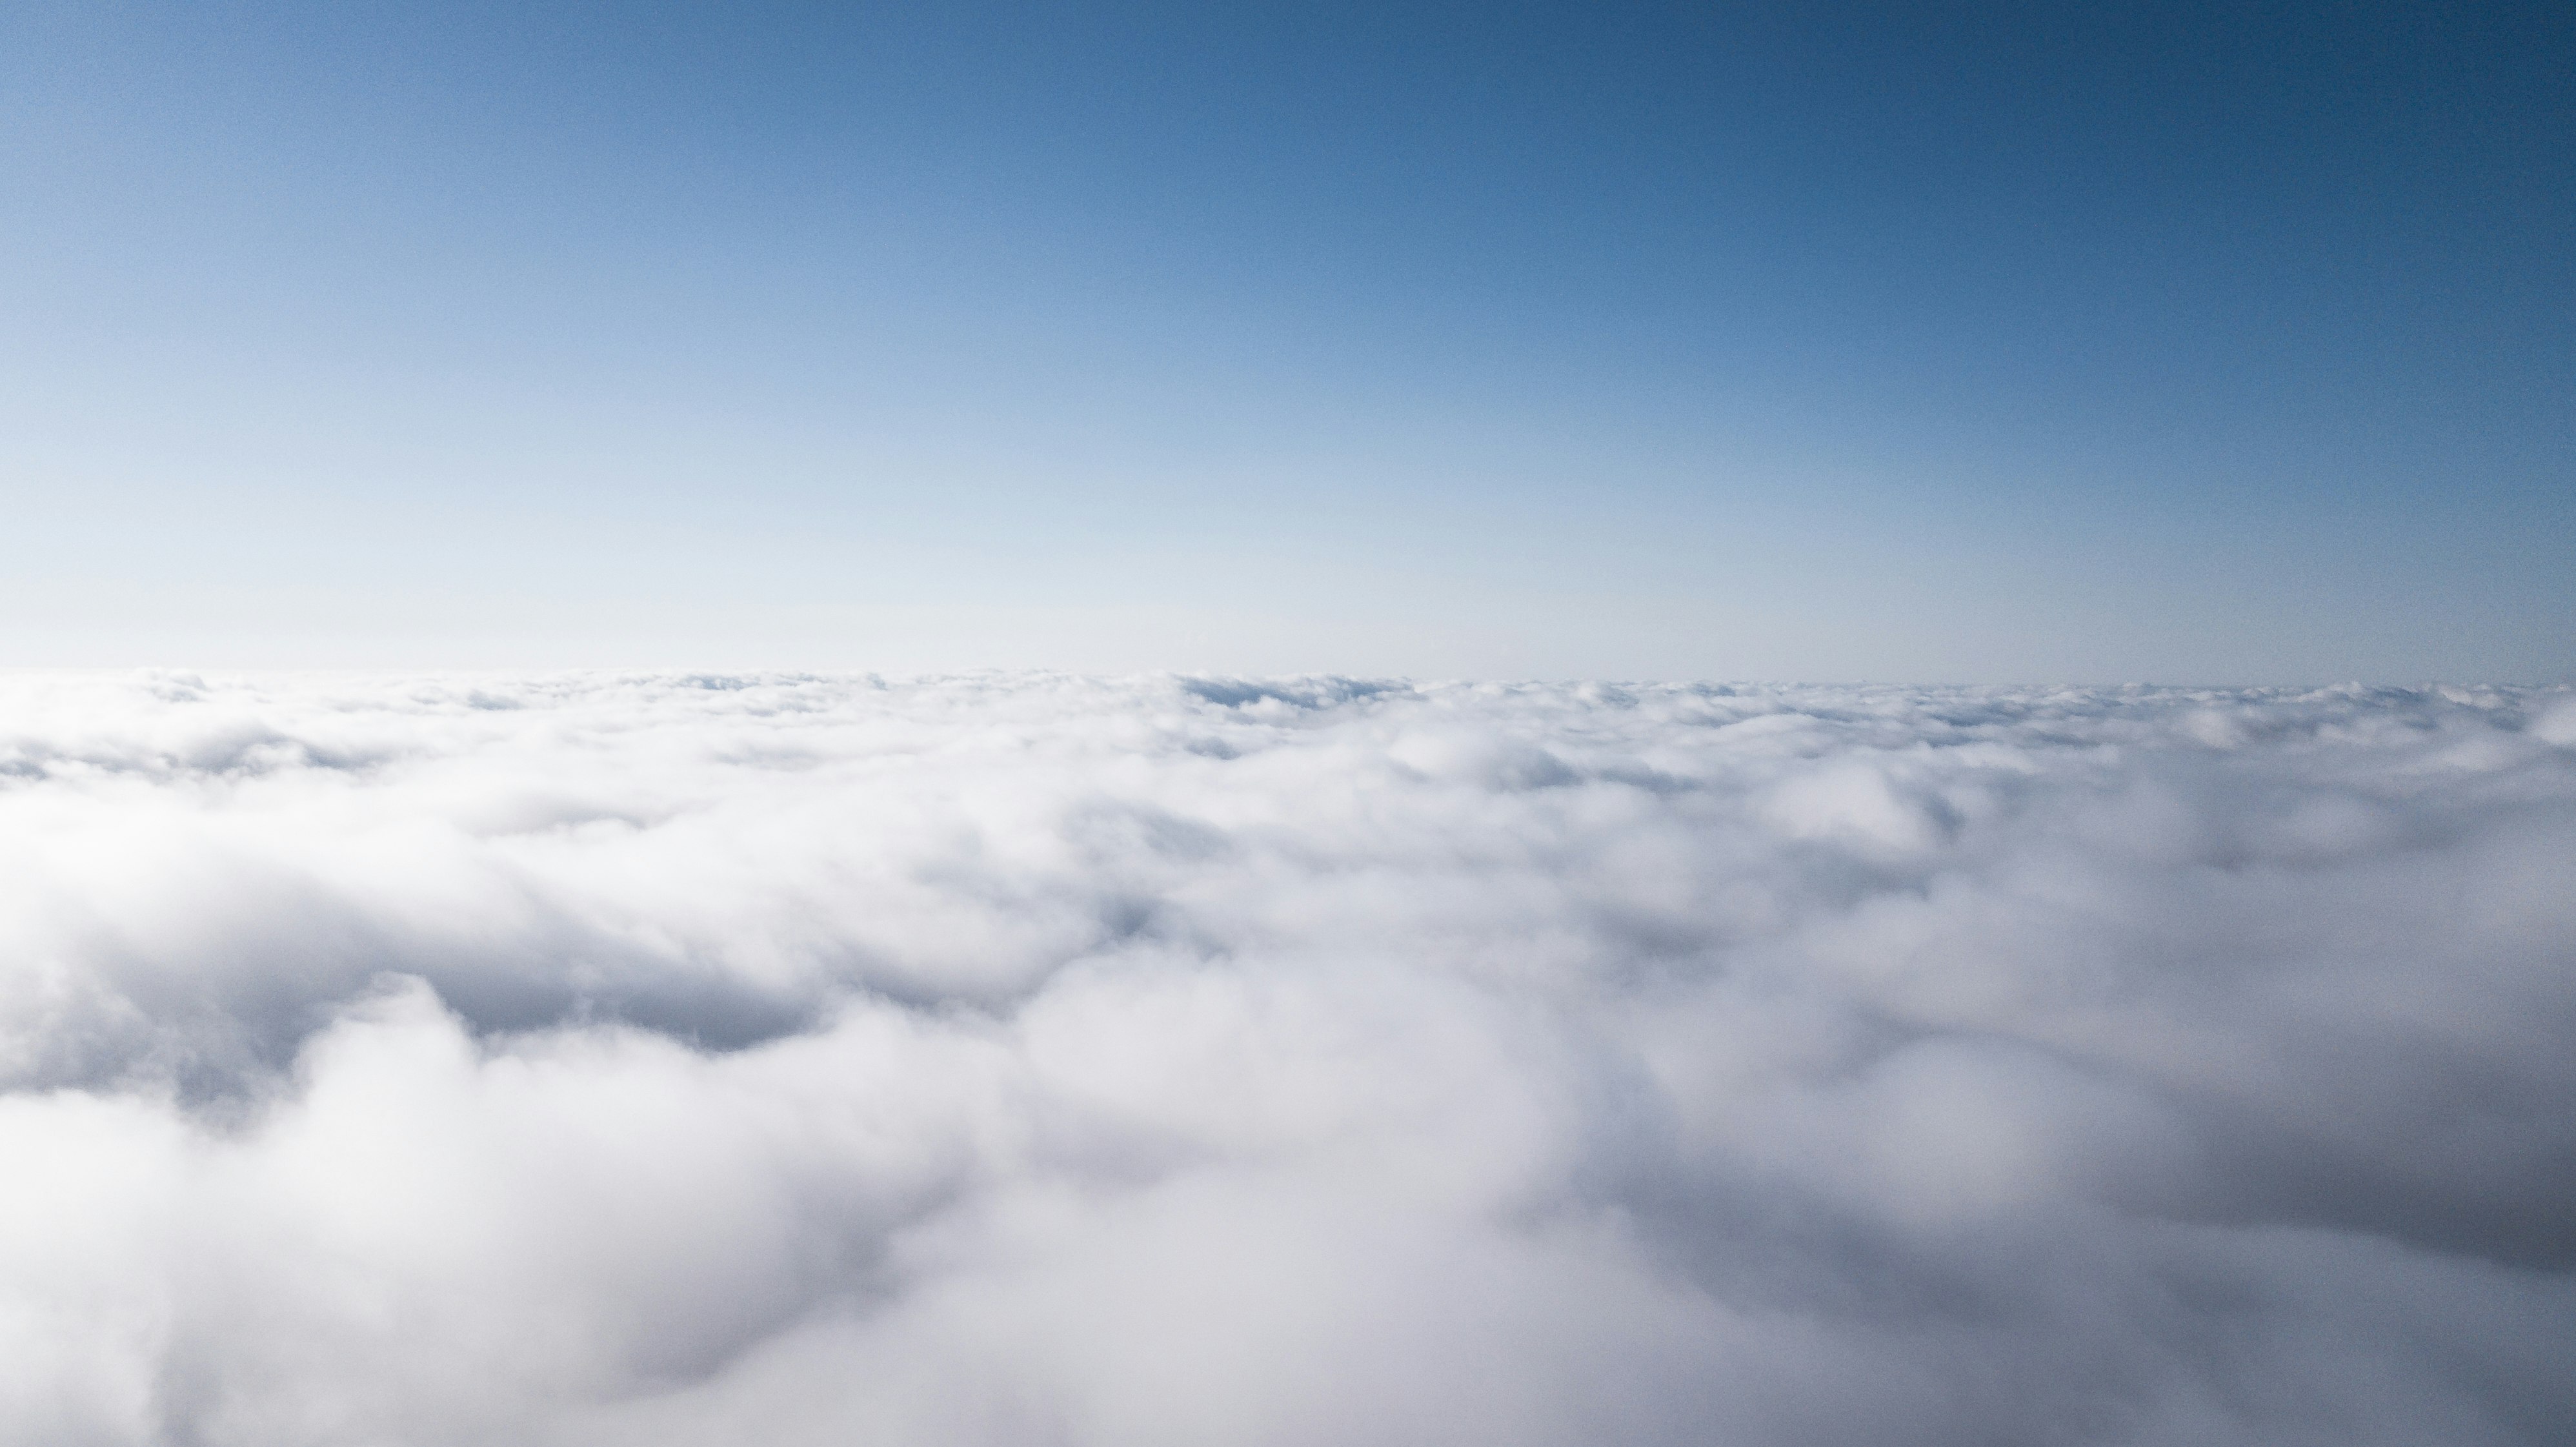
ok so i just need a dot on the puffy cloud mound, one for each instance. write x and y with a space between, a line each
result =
635 1059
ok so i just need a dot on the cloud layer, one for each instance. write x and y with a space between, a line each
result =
1028 1059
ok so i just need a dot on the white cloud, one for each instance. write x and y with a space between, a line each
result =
1019 1059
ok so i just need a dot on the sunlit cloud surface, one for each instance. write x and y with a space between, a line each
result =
1041 1059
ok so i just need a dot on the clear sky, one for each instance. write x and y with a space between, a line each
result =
1912 342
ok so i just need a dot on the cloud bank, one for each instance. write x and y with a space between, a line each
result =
647 1059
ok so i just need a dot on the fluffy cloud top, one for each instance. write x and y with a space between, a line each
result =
638 1059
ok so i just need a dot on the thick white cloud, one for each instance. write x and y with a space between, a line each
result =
643 1059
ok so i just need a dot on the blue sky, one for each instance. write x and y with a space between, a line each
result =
2225 344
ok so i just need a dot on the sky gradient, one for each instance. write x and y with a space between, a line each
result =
2179 344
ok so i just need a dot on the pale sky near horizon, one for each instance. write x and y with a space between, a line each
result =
2179 344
